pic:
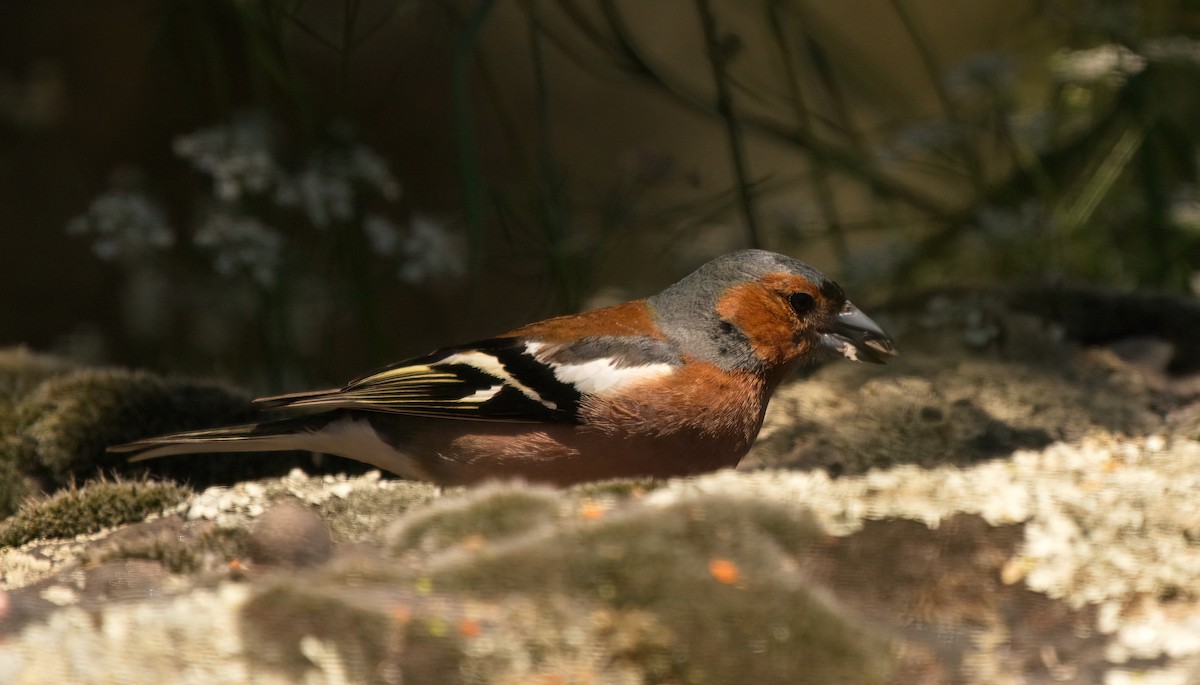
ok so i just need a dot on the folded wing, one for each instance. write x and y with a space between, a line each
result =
500 379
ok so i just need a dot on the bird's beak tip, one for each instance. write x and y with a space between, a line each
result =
855 336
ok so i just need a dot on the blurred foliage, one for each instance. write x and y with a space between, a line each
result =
1065 149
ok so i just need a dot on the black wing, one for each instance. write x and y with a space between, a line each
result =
499 379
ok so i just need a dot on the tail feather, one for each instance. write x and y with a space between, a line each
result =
273 436
336 433
295 399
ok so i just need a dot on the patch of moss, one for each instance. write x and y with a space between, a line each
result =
67 421
15 486
718 576
363 513
704 590
95 506
486 514
22 370
182 554
290 627
620 489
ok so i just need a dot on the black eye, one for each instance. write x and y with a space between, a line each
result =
801 302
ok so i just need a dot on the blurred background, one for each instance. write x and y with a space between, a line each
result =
287 193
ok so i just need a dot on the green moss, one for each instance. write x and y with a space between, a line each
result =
279 623
67 421
181 554
22 370
620 489
15 486
714 572
700 591
95 506
365 511
431 653
486 514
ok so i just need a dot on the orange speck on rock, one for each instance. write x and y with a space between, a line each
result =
724 571
469 627
401 613
591 511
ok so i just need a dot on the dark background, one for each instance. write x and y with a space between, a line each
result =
562 155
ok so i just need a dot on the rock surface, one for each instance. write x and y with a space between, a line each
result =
1001 505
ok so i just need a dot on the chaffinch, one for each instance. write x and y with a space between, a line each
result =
670 385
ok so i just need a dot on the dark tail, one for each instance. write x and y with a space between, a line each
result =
271 436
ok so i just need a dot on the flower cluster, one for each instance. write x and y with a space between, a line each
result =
126 225
1109 63
237 156
242 245
325 188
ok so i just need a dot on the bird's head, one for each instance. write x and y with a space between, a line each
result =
755 310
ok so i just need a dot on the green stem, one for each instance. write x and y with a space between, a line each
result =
733 129
468 147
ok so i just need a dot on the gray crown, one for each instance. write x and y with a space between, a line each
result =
686 311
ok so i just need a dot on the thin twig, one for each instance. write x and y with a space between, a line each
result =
848 161
822 188
464 125
949 108
733 131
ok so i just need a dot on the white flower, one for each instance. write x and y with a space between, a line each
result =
1110 63
326 188
367 166
382 235
242 245
237 156
430 251
126 224
1185 210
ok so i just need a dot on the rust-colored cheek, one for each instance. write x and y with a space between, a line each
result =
765 318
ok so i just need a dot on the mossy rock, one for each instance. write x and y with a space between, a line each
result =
292 625
88 509
21 370
716 574
489 514
507 585
68 421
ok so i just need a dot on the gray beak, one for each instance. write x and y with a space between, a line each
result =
855 336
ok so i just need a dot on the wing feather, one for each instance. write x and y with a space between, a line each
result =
499 379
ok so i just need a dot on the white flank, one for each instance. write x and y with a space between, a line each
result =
492 366
603 374
357 439
598 375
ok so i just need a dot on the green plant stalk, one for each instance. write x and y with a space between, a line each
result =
850 162
552 204
1079 212
949 108
346 50
733 130
469 170
822 188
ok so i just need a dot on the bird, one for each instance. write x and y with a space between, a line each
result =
675 384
